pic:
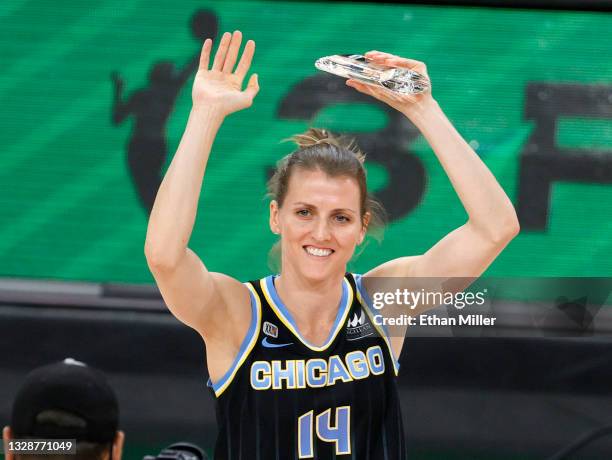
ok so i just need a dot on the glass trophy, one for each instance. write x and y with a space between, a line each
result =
358 67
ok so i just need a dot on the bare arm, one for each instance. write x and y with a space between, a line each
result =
467 251
208 302
492 223
184 281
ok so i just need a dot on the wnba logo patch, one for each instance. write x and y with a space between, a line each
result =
270 329
358 327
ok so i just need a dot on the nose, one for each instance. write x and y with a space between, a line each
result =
321 231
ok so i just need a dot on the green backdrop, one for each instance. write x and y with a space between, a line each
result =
69 209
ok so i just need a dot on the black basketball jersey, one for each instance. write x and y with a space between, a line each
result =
285 398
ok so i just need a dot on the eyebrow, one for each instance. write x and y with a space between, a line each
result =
308 205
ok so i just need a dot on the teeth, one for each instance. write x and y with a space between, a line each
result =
318 252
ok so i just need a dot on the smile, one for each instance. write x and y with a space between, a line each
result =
318 252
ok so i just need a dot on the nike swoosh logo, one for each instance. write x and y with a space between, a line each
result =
267 344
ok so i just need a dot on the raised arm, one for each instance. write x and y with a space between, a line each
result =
208 302
467 251
492 223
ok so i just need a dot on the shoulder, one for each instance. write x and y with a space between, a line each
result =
230 289
238 297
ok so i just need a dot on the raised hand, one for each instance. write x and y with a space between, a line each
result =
220 87
403 102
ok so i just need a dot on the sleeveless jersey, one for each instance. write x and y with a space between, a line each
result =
284 398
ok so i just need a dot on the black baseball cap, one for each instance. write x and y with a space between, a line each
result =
79 392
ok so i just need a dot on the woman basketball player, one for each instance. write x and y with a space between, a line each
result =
298 365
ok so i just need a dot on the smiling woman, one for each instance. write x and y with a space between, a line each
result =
303 188
286 351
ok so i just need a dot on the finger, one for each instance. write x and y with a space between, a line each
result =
381 55
253 86
205 55
372 90
245 60
374 53
369 89
221 51
397 61
232 53
405 62
379 59
361 87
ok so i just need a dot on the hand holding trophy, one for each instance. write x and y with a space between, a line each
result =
399 82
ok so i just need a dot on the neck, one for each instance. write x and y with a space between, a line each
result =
310 301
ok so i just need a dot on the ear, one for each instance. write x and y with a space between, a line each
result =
274 219
118 445
364 227
7 435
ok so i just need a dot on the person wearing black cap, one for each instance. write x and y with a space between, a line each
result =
67 400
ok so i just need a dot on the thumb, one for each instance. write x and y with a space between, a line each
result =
253 86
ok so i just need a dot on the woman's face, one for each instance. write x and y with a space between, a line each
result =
319 223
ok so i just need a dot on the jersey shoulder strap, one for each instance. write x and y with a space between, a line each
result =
247 345
374 316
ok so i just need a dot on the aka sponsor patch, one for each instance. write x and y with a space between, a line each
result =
358 326
270 329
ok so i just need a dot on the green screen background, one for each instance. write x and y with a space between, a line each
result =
69 210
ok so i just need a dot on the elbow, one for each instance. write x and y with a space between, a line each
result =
159 260
506 231
509 234
162 251
515 229
512 226
507 226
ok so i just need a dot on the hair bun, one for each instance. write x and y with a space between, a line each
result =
314 136
317 136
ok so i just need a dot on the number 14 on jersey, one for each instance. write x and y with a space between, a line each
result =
340 434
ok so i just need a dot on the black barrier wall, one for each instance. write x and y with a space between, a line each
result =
465 397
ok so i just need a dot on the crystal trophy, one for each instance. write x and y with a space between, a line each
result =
358 67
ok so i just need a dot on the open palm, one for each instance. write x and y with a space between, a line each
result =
220 86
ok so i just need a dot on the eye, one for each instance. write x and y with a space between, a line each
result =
303 212
342 218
